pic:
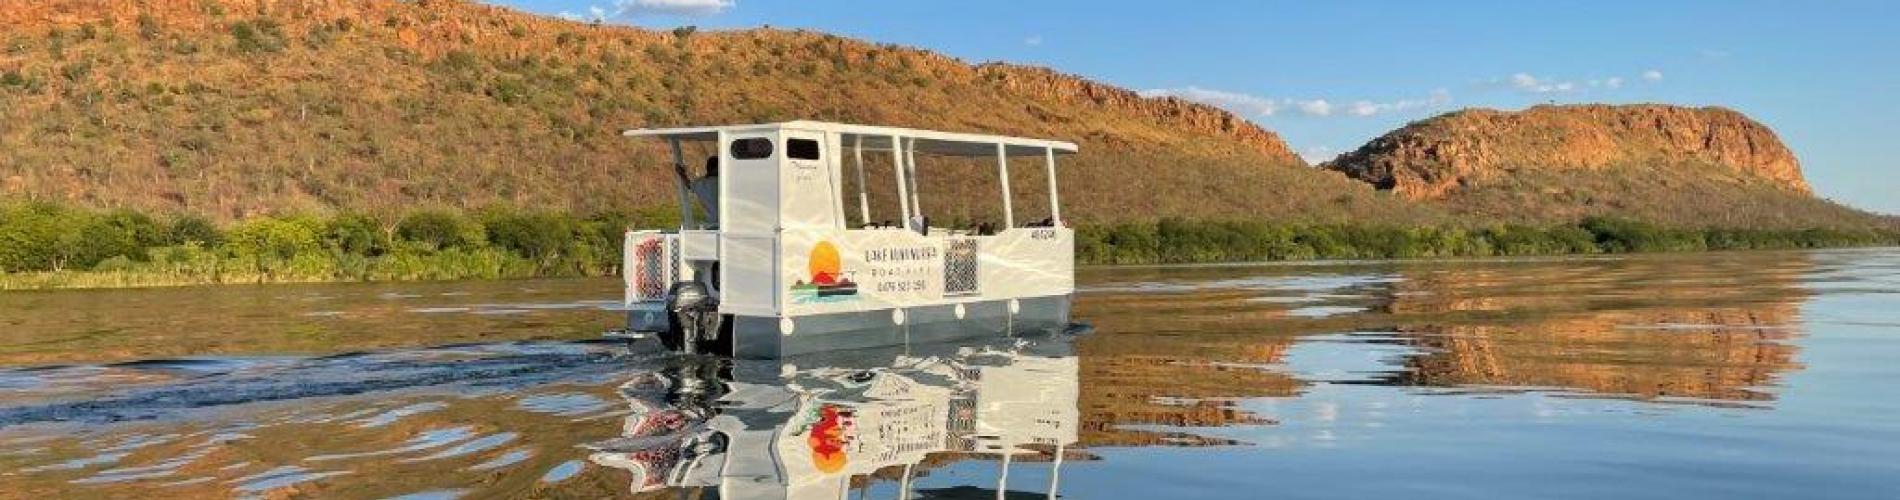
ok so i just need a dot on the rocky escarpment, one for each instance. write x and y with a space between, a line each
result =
1432 158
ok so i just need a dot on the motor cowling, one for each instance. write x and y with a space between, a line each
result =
689 295
695 317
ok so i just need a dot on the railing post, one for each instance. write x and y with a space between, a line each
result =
916 197
864 197
679 165
1002 170
1055 201
903 188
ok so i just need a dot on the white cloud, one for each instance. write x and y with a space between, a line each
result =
1033 41
1362 108
1439 97
1527 82
1232 101
1523 81
1315 107
1318 154
1257 106
693 8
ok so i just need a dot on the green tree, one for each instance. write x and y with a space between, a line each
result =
267 243
188 228
440 230
538 236
356 234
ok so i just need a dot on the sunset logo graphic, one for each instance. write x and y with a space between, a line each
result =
827 439
827 282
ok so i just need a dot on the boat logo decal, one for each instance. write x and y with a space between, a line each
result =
827 281
826 436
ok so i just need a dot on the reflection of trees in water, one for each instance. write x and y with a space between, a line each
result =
1648 328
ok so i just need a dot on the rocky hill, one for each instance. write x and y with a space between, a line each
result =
239 107
1431 158
1687 166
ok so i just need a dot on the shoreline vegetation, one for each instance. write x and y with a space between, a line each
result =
50 246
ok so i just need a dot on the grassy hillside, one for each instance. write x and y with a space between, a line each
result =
233 108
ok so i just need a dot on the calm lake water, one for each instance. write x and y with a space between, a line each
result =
1749 375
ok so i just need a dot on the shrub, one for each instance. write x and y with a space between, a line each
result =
28 236
458 61
148 27
440 230
356 234
140 231
536 236
269 239
192 229
258 36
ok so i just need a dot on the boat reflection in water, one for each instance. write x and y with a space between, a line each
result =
817 426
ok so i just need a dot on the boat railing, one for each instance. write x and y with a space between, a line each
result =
652 265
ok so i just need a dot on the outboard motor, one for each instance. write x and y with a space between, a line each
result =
696 322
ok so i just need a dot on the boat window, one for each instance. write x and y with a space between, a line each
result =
1029 191
752 148
960 194
880 190
801 149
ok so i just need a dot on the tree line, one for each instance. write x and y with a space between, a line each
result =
1186 241
492 243
45 244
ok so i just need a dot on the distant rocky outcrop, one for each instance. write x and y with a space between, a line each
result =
1432 158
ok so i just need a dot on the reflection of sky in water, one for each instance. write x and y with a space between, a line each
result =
566 405
564 471
1313 284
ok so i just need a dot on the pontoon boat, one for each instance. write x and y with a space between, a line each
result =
768 262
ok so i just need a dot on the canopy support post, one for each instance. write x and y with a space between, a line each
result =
903 191
1002 476
1055 473
864 197
679 169
916 198
1055 201
1002 171
903 484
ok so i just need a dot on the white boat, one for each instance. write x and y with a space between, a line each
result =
768 262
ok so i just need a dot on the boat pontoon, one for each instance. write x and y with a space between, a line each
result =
768 262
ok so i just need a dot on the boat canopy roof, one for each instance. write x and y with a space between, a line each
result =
875 138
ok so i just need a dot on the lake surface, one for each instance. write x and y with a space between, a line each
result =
1745 375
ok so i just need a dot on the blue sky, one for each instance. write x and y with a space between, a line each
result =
1823 74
